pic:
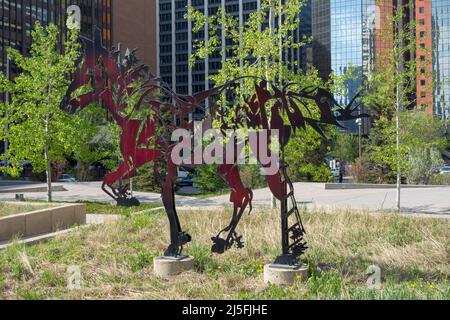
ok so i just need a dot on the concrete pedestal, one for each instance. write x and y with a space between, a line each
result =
284 275
171 266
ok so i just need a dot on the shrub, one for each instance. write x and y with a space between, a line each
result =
365 170
251 176
421 164
145 179
208 180
440 179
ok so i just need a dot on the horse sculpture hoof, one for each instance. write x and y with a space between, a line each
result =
219 246
184 238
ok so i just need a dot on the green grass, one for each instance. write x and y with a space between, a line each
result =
105 208
110 208
204 195
116 259
7 209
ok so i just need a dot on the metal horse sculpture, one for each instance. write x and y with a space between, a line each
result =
147 139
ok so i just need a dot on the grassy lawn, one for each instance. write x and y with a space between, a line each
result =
204 195
110 208
7 209
116 259
106 208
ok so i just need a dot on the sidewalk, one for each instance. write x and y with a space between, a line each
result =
312 195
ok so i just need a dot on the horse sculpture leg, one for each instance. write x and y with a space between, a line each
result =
119 194
178 238
293 244
127 170
241 197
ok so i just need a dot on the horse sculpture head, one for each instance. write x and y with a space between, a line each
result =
95 65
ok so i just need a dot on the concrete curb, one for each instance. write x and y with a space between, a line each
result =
32 189
40 222
349 186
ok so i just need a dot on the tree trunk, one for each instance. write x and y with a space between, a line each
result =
397 124
48 169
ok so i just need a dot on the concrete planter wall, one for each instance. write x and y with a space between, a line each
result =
42 221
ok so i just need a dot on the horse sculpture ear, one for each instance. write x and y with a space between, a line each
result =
98 39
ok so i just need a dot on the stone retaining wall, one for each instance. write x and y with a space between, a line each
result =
42 221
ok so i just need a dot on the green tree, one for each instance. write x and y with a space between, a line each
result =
208 180
391 89
345 147
34 125
421 137
257 50
98 139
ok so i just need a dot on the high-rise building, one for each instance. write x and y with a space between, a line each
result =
354 29
352 32
321 28
133 22
356 33
19 17
440 16
175 41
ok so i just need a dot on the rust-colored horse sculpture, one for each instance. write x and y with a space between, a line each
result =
148 139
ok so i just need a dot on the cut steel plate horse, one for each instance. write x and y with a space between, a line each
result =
145 139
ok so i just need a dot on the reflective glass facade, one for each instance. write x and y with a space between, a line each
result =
321 32
352 43
441 56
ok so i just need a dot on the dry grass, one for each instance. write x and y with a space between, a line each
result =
9 208
117 259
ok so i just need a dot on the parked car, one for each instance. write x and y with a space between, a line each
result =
182 173
445 169
67 178
185 182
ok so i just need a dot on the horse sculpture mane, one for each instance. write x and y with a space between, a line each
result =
147 139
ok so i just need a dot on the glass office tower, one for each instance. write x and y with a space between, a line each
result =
441 57
321 32
176 38
352 44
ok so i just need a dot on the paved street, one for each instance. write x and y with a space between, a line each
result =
421 200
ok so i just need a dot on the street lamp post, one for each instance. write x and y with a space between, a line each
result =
359 123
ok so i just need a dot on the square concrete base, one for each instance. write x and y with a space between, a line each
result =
171 266
284 275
